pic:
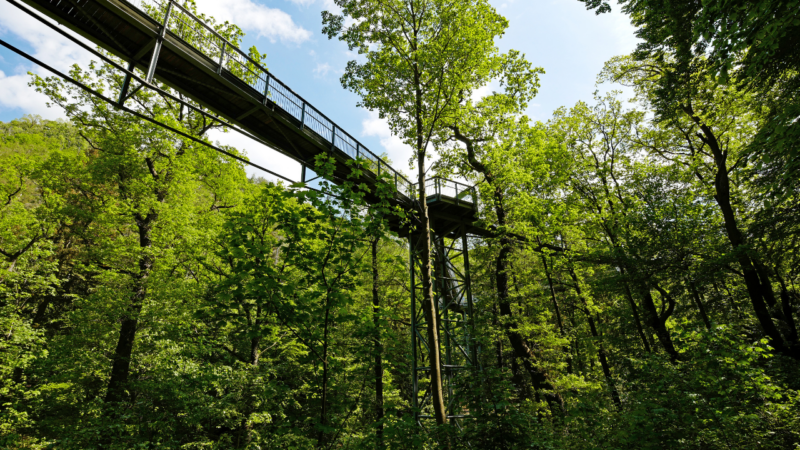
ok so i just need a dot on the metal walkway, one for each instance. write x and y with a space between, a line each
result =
167 42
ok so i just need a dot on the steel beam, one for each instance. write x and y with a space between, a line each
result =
151 70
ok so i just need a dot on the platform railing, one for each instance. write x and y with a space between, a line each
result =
460 193
183 24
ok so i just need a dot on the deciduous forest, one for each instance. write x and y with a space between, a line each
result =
638 288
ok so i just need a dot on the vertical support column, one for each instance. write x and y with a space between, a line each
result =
221 61
126 84
151 71
444 296
473 348
454 313
412 263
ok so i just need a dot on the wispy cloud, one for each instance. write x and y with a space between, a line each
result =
398 152
271 23
328 5
44 44
322 70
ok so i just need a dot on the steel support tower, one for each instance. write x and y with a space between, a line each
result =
452 208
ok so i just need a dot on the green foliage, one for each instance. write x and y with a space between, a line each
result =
721 397
634 245
422 58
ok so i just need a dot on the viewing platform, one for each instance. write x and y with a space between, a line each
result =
450 204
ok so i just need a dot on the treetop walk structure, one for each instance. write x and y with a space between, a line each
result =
166 41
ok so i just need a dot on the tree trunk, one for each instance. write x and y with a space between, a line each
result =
786 303
558 312
323 414
755 288
498 344
376 304
520 348
428 302
658 323
788 314
766 283
722 295
518 345
699 302
601 351
636 319
120 368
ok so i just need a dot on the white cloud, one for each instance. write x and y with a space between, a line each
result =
322 70
270 23
398 152
15 93
259 154
327 5
44 44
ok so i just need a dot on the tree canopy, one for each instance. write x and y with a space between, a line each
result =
636 284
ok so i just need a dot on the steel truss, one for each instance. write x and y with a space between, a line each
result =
454 314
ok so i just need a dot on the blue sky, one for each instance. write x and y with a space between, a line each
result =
570 43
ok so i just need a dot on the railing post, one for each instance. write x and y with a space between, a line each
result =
333 137
221 57
474 194
266 89
303 117
151 71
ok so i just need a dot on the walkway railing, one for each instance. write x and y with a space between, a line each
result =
460 193
183 24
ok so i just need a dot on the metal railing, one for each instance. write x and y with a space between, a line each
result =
460 193
183 24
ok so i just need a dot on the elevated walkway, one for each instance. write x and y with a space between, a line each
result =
196 61
169 43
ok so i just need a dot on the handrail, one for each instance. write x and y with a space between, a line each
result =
306 112
462 193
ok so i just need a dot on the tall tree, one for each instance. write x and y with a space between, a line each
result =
707 132
483 130
421 58
141 178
